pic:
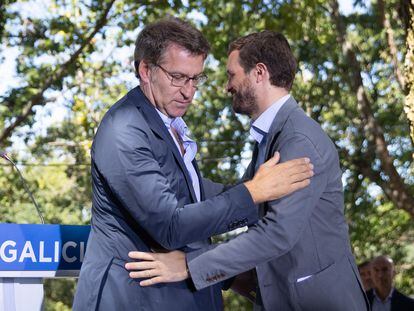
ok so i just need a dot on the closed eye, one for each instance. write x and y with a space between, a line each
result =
178 76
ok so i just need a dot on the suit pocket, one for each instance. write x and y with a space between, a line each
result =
321 290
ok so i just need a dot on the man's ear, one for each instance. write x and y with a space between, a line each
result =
144 71
261 72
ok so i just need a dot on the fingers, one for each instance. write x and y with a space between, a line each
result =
299 185
290 170
301 176
147 266
144 274
296 162
141 265
153 281
141 255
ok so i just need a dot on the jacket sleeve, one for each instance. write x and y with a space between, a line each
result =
274 235
124 159
212 188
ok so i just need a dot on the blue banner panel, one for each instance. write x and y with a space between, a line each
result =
42 247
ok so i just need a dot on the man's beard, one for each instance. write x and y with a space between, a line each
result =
245 100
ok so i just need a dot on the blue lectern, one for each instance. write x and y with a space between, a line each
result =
29 253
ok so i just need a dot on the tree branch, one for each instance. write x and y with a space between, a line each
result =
385 21
409 67
59 74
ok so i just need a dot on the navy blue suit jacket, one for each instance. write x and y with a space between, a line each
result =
143 200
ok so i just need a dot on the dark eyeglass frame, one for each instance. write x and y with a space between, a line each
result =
180 79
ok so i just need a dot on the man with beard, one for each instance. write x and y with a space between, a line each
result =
300 249
147 191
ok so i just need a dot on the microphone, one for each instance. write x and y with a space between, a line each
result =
4 155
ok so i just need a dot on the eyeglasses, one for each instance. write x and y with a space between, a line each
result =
179 79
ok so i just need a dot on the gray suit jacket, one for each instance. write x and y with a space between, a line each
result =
300 248
143 200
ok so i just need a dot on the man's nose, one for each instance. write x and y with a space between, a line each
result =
229 87
188 89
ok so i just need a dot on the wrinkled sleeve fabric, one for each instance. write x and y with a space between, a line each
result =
212 188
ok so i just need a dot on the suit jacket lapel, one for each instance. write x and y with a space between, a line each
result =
277 125
251 170
272 138
158 127
200 178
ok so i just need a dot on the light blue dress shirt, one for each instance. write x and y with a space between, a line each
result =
190 147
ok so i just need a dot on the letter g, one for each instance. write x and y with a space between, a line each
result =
11 252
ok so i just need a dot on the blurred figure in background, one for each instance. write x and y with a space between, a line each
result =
384 296
365 271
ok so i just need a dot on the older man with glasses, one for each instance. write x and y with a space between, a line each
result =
148 193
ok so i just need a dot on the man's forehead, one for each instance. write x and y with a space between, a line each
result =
233 60
234 56
179 59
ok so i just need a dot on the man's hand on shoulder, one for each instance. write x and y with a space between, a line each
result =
274 180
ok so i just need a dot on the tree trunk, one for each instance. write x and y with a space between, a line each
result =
409 69
393 186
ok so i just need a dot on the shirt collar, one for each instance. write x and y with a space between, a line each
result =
177 123
167 120
387 298
260 127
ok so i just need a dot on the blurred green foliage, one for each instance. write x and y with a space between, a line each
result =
72 61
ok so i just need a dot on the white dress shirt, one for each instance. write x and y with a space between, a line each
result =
190 147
